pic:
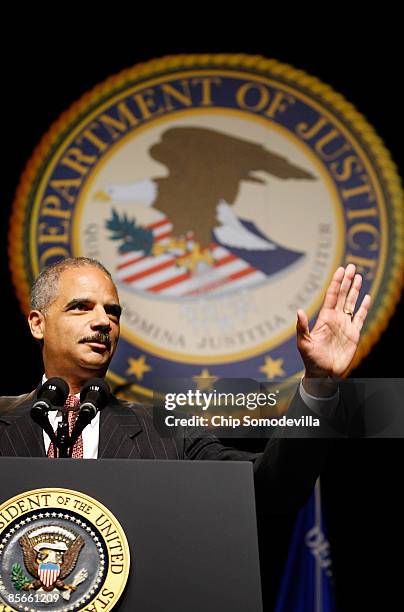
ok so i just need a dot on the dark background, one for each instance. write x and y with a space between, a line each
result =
46 68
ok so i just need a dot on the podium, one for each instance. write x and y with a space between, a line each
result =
190 527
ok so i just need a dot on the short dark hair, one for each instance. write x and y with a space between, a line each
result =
45 286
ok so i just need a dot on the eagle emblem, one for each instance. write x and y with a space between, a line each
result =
198 244
50 555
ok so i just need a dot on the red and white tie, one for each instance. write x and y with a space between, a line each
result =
71 402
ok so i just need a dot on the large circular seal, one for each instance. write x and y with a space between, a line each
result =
221 191
60 550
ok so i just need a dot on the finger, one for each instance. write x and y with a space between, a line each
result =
363 310
302 325
353 294
349 275
331 296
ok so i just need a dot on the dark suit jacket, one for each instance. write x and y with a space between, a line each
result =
285 472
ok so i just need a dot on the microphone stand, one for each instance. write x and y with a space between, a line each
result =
84 418
62 442
42 419
62 437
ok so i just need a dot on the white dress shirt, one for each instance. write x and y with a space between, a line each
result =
323 406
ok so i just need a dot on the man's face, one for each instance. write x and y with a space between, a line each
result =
80 328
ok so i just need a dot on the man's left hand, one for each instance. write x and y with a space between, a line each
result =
328 349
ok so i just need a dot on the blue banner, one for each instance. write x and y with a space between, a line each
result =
307 582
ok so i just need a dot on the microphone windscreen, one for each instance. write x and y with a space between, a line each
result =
96 391
55 390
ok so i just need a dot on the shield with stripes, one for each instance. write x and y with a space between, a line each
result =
179 268
48 573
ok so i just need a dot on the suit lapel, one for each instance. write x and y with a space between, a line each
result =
119 427
21 437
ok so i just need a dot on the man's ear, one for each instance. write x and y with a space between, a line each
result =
36 322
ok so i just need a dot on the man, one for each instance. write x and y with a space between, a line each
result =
75 316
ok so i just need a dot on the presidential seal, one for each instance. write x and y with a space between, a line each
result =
60 550
222 192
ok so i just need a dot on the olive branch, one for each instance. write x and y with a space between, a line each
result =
133 237
18 577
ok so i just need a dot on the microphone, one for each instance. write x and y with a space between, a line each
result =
53 392
93 397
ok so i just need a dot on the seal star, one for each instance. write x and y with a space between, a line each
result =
273 368
138 367
204 380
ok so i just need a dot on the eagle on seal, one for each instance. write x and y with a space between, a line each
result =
204 172
49 563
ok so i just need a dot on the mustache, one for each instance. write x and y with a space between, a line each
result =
99 337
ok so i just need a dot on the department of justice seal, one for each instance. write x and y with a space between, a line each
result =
222 192
60 551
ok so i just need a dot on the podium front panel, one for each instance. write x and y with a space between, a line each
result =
191 526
